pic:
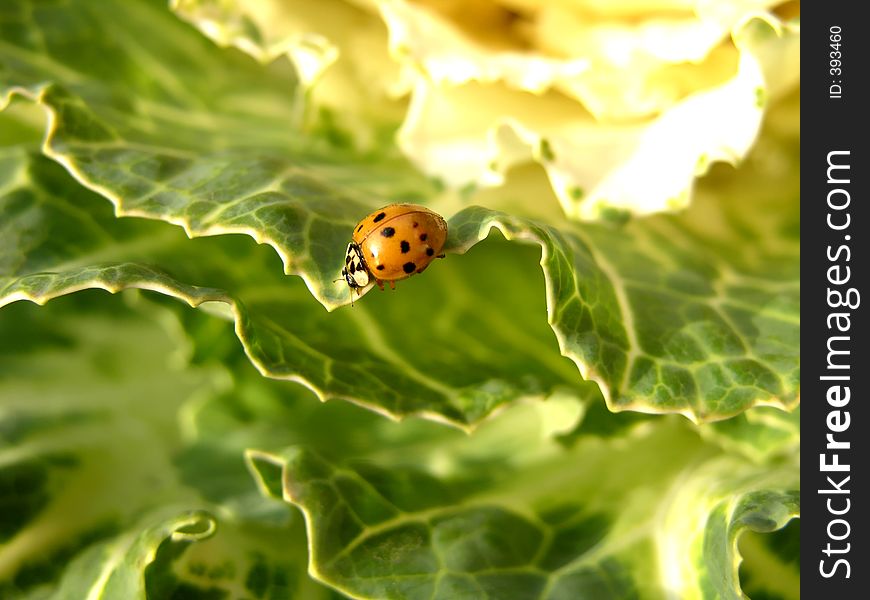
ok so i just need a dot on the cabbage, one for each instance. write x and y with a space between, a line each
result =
594 395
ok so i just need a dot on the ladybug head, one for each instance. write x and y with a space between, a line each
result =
355 271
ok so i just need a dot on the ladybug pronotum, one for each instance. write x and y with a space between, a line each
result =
393 243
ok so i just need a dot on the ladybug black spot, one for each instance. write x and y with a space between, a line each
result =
430 251
347 259
406 247
409 267
353 267
380 267
423 237
358 229
380 217
416 224
388 232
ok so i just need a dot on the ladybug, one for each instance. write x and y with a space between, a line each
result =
393 243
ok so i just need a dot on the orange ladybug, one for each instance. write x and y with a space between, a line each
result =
393 243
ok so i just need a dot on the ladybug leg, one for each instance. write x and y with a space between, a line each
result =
441 256
380 284
392 285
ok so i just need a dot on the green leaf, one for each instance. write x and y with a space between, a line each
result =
103 495
115 568
142 454
695 314
771 563
459 370
761 433
603 512
442 371
703 368
661 315
82 453
339 50
626 517
169 127
759 511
